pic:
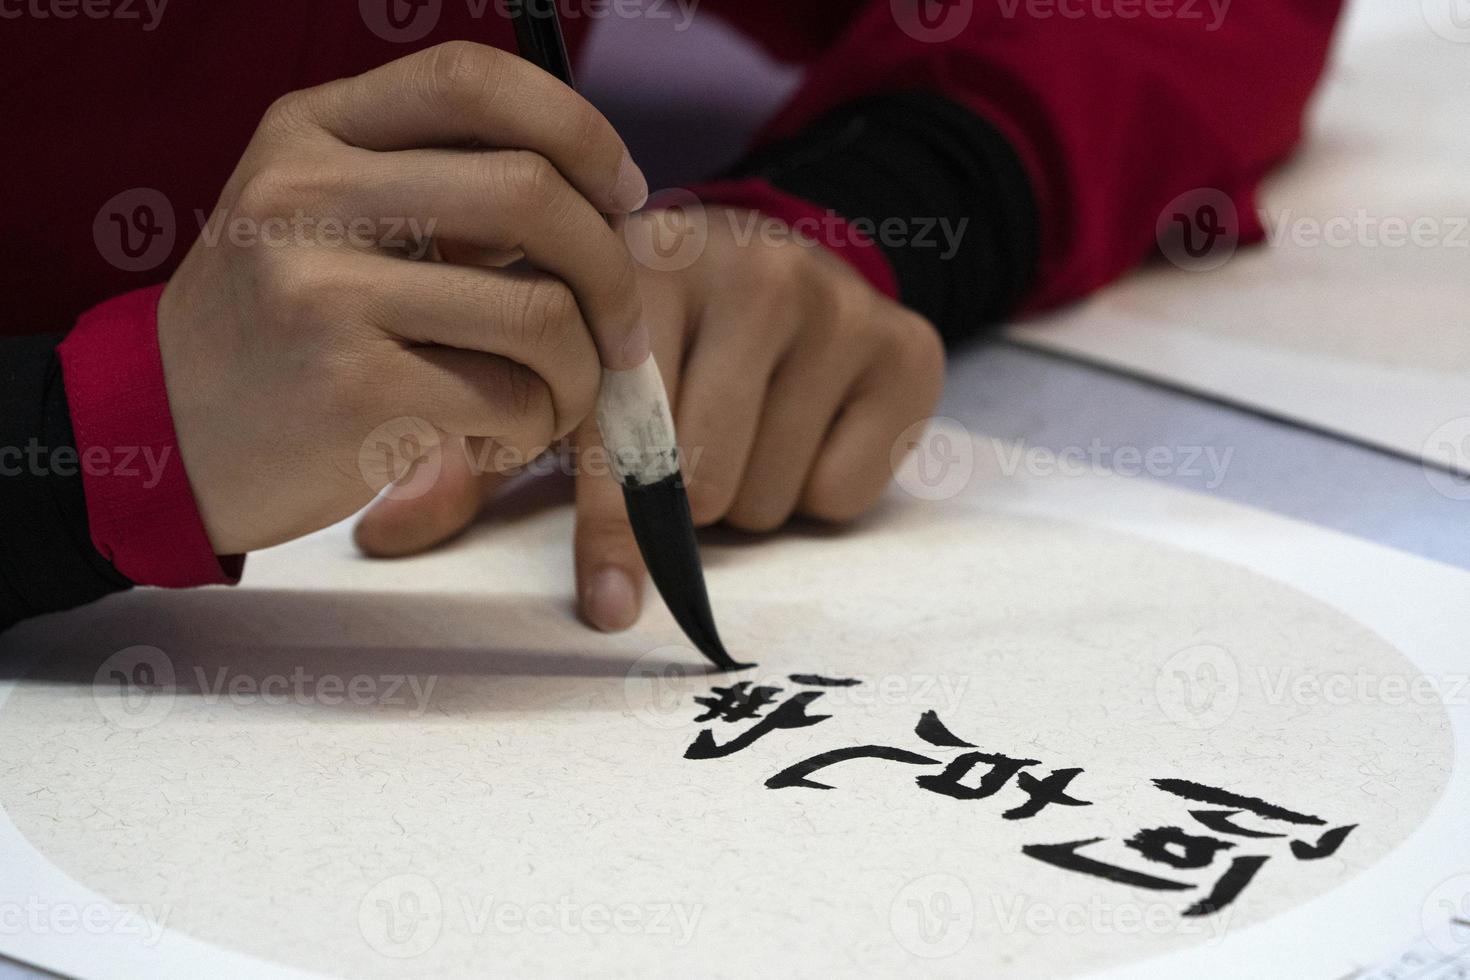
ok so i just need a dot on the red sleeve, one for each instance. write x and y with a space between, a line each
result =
140 506
1115 107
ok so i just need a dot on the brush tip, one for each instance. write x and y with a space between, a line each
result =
659 515
706 639
720 657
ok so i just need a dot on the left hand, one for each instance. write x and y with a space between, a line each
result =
791 380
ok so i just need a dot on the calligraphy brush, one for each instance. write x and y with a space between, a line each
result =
636 424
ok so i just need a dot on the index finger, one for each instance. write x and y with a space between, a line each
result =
610 570
460 93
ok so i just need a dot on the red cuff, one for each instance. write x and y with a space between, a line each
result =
832 230
141 509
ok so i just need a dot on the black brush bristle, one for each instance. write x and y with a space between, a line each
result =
664 527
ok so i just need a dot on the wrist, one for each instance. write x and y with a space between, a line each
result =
943 192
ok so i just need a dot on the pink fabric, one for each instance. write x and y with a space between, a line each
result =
139 502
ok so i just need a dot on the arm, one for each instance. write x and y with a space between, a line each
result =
282 378
1061 138
1049 146
47 560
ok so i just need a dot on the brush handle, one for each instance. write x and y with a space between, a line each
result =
637 426
540 39
633 407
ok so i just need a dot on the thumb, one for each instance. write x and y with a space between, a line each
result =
610 571
432 503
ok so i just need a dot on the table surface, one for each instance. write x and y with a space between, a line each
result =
1058 404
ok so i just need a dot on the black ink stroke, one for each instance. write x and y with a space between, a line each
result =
1230 885
817 680
932 730
1065 856
1159 844
1326 845
1221 797
796 775
789 714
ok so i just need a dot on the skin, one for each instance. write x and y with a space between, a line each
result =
282 360
791 380
791 377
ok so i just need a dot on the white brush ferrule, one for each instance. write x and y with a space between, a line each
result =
637 426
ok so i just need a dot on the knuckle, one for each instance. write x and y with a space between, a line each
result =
924 338
549 310
602 535
266 193
623 290
709 499
527 402
549 320
770 272
515 381
316 294
530 180
907 348
576 396
924 354
459 74
286 113
283 188
586 131
556 307
757 517
346 381
836 501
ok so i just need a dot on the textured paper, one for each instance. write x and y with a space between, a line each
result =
1362 333
529 812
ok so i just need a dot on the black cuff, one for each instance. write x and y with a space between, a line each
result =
962 231
47 561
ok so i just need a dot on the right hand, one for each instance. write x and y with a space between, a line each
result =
283 352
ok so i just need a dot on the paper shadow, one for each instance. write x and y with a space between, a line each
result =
269 632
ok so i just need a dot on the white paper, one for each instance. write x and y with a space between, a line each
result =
485 789
1356 317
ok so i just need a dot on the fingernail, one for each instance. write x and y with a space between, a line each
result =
611 603
637 347
631 191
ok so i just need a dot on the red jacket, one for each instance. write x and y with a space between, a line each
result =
1115 107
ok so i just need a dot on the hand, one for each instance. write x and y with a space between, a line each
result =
297 325
791 378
